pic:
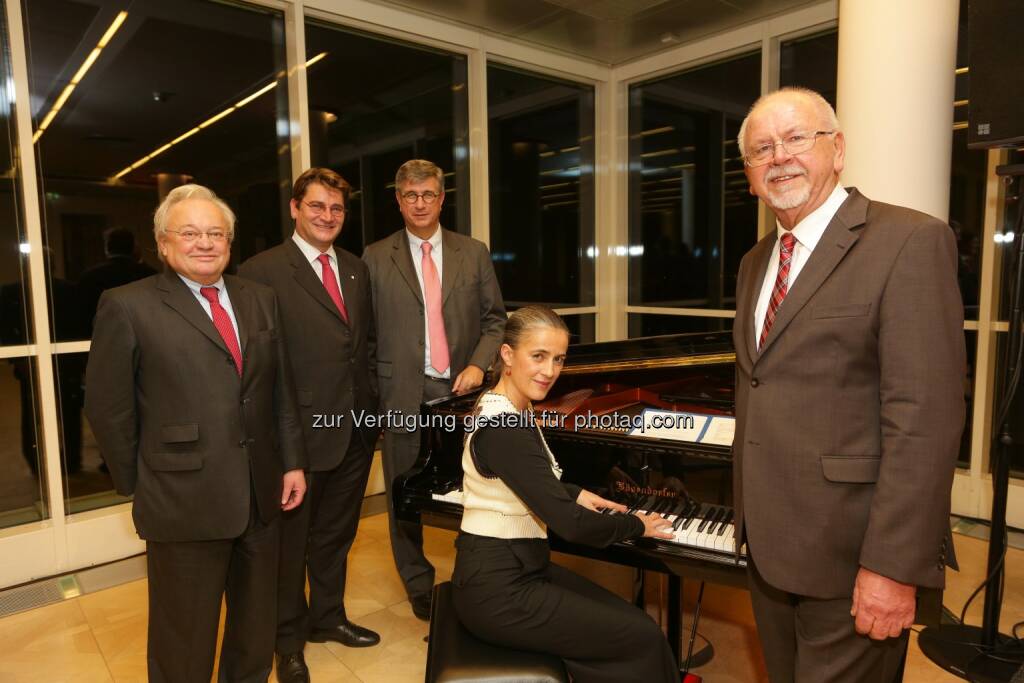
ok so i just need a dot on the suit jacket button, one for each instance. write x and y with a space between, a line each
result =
241 443
754 383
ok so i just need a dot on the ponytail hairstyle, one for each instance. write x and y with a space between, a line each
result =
520 323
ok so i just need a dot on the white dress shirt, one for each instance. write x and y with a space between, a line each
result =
222 298
312 255
807 233
417 262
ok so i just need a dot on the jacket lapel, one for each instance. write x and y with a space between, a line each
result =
751 291
834 244
308 280
451 264
402 259
177 295
242 306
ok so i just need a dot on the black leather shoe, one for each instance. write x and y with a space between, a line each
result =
292 668
421 606
347 634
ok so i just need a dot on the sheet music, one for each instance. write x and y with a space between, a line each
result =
692 427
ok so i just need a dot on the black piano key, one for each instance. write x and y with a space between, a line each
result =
716 520
675 509
726 521
695 514
681 517
706 519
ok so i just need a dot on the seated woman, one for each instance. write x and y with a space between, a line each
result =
505 588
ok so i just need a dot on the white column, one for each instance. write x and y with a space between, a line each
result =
895 99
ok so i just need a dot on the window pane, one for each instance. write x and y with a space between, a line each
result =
691 216
15 322
651 324
366 122
811 62
21 487
541 148
117 132
581 328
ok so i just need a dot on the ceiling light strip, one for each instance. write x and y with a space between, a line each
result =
79 75
208 122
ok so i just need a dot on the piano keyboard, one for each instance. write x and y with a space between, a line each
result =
694 524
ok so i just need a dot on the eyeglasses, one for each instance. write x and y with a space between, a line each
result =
793 144
429 197
319 208
189 235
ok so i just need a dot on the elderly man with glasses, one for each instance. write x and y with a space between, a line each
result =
189 395
849 404
324 294
440 319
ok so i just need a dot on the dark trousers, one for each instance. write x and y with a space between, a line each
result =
508 593
809 640
400 452
186 582
316 538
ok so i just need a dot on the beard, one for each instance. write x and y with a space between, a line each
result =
789 198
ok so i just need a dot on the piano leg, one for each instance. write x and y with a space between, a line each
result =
674 627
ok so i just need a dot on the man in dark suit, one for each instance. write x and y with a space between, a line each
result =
324 298
189 394
849 404
120 267
440 319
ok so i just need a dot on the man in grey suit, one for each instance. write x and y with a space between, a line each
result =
440 319
324 296
849 404
190 397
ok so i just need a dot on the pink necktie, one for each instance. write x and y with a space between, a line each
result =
781 285
435 320
222 321
331 285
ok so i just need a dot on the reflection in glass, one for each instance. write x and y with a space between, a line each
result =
87 483
811 62
123 115
650 324
581 328
691 217
21 486
15 327
541 144
366 122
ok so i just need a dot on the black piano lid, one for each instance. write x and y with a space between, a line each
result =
670 350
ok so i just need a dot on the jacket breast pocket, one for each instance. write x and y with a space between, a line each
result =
851 469
180 433
841 311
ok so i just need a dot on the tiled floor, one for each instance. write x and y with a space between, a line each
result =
102 636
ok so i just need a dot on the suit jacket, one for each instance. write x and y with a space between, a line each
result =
474 314
848 420
177 426
333 362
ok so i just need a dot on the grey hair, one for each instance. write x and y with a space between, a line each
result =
180 194
418 170
825 110
521 322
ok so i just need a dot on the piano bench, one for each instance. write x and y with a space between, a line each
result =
454 655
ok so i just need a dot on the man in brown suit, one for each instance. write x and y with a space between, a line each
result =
433 339
849 404
189 394
324 295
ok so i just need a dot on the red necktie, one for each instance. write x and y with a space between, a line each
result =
781 285
222 321
435 320
331 285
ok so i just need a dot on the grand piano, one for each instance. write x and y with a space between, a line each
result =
590 421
